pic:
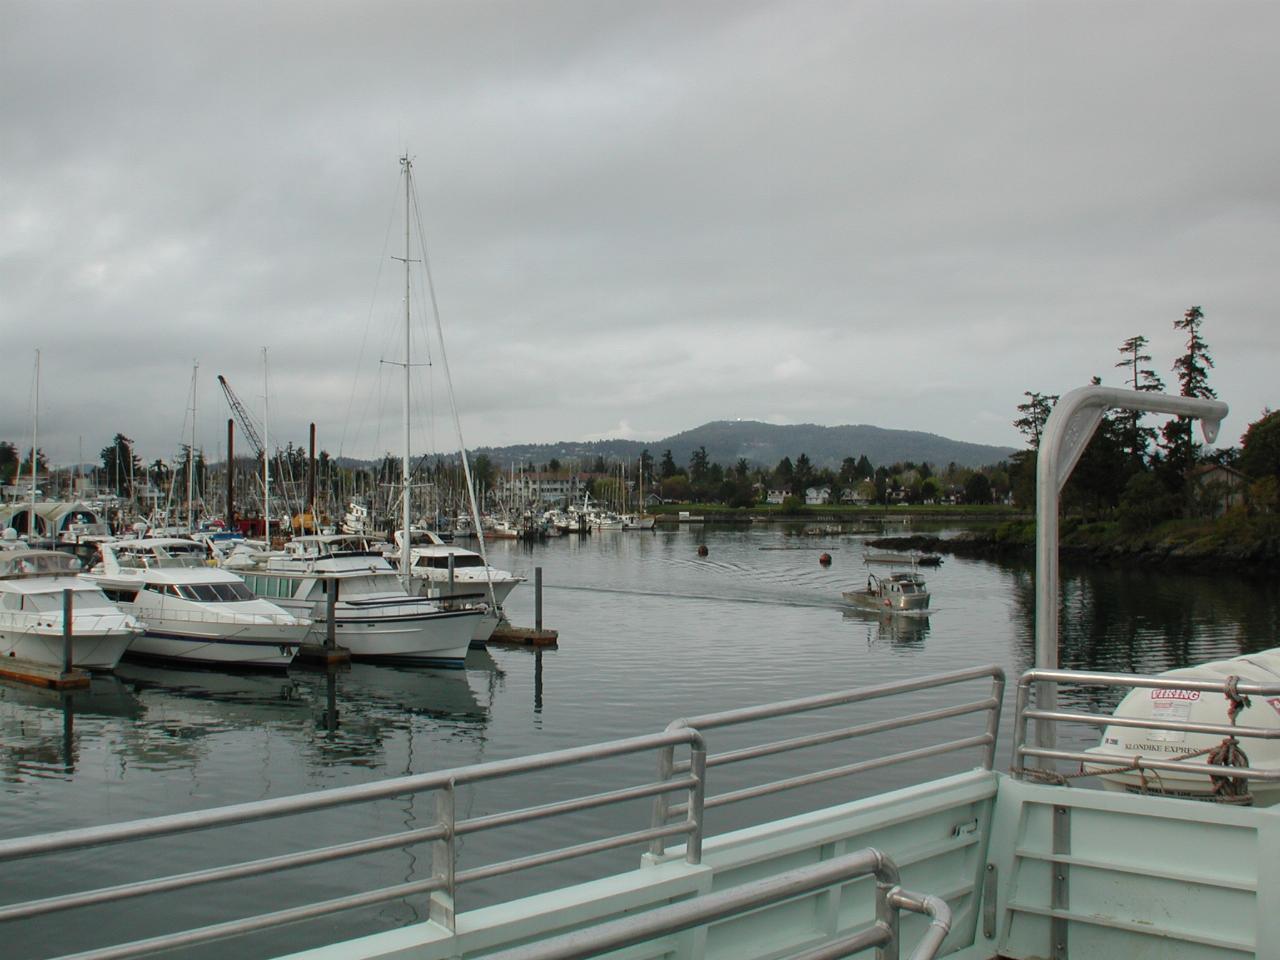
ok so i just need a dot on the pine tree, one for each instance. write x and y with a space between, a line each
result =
1136 437
1034 414
1192 370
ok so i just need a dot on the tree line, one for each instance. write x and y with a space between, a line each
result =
1138 473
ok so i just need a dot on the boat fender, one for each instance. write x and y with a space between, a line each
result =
702 550
825 559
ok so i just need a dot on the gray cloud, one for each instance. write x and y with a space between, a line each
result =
641 216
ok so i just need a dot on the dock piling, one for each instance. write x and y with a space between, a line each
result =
68 605
537 599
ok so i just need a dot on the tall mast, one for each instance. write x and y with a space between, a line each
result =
404 464
191 450
266 456
35 433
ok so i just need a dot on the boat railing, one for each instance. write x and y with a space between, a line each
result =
1045 750
442 833
230 618
891 900
989 705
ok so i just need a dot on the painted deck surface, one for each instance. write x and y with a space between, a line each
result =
1145 877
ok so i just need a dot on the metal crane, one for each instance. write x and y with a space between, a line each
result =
242 417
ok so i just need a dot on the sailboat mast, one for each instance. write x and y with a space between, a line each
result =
191 450
266 456
404 465
35 433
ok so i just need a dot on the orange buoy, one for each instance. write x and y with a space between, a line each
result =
702 550
825 559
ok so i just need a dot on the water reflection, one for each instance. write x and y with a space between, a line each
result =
889 629
39 732
157 718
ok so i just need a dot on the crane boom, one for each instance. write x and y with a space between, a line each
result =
242 416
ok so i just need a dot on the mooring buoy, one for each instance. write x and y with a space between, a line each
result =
702 550
825 559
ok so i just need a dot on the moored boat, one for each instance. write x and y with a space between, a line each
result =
193 612
375 617
432 563
32 588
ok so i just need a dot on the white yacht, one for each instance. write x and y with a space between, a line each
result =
429 562
192 611
31 604
375 617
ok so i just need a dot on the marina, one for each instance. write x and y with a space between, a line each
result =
742 626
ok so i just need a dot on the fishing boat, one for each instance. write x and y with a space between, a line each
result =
895 592
192 612
33 588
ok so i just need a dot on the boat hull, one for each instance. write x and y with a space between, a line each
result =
91 649
866 600
260 646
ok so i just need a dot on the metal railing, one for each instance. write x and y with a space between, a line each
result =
891 900
445 878
1099 763
663 810
670 820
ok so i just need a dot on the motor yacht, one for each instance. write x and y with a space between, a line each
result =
33 584
194 612
375 616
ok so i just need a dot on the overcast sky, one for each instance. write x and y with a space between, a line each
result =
641 215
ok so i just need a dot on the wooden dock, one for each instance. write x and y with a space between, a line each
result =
525 636
43 675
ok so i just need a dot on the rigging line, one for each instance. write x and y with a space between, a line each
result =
368 323
453 404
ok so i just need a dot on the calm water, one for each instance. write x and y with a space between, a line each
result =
648 632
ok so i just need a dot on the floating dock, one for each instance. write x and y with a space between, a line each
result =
43 674
525 636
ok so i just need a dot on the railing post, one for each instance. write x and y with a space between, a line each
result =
443 864
1020 728
993 718
697 798
662 802
887 918
67 615
330 614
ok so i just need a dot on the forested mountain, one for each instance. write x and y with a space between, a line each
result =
764 444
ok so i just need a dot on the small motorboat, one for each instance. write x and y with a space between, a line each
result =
912 559
892 593
1192 706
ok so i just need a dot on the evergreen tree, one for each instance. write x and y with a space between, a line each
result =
8 461
803 476
1034 414
1192 370
120 467
1136 437
667 468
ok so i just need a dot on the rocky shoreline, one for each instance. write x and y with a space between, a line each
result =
1003 544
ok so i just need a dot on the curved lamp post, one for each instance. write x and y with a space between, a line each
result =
1066 433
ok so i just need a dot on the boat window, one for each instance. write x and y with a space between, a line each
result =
120 594
43 602
233 592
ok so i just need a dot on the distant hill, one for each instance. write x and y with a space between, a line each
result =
764 444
